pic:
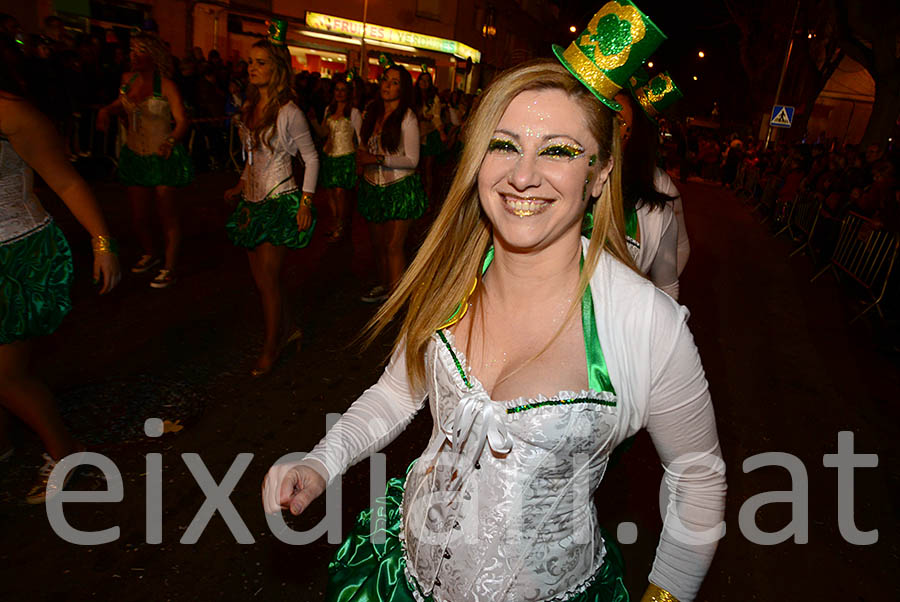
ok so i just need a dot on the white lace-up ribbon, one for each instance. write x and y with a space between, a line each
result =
466 428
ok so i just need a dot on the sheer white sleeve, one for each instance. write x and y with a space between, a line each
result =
664 270
410 157
682 425
664 184
293 131
374 420
356 122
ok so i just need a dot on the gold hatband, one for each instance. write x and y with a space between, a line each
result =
589 73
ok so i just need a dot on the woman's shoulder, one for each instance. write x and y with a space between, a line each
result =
628 293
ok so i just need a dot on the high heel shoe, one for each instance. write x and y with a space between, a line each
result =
295 338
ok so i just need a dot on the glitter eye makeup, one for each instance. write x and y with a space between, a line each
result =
567 151
502 146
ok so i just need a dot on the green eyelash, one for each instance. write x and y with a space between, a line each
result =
563 150
498 144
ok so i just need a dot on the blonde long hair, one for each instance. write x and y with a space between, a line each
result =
450 259
281 92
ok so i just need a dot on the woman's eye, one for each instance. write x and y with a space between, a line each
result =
562 150
502 146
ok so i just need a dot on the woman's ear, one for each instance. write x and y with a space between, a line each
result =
602 179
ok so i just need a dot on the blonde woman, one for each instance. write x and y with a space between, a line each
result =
273 214
153 161
537 351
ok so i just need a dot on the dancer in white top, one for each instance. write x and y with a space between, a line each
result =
272 214
390 194
341 128
538 351
651 225
36 270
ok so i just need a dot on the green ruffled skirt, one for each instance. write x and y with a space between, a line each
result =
36 275
363 571
404 199
433 145
273 220
153 170
338 172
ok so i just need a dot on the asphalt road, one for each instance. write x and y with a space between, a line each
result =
787 374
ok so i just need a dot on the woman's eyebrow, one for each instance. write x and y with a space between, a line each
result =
545 138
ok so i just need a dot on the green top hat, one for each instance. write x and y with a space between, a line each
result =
277 31
616 42
657 95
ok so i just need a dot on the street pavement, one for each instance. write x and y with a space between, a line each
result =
786 372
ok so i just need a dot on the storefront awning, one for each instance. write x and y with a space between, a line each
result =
389 36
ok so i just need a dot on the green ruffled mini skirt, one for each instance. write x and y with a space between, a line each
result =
404 199
338 172
153 170
36 275
273 220
363 571
433 145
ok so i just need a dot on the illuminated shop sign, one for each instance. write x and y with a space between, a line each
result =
380 33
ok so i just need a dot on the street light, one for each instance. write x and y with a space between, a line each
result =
650 64
701 54
488 30
572 28
695 78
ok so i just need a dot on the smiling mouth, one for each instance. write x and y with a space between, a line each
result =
525 206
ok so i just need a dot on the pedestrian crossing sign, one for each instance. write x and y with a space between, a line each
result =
782 116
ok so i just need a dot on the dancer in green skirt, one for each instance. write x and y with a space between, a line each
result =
272 213
342 126
537 351
36 270
390 193
153 162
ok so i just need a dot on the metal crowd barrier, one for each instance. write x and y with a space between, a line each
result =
867 255
803 221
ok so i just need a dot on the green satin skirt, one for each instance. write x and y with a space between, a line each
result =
273 220
153 170
363 571
404 199
35 278
338 172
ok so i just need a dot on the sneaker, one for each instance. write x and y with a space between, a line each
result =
376 295
164 279
144 263
43 490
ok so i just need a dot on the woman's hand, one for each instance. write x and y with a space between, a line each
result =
165 149
107 265
304 218
234 193
291 487
364 157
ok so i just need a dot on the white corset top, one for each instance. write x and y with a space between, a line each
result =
149 123
499 506
340 137
20 211
269 171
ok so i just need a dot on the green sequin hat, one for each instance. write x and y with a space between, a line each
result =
657 95
277 31
616 42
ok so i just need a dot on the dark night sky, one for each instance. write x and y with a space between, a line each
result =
690 27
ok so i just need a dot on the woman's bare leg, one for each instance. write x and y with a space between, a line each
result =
28 399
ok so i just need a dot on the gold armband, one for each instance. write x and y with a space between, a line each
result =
655 593
104 244
306 199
